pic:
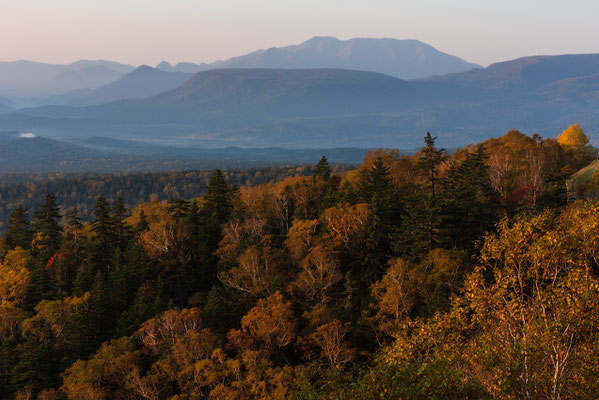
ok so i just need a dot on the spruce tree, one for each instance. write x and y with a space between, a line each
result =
377 189
429 160
217 205
556 185
469 202
45 225
18 232
142 225
121 230
74 221
104 235
322 169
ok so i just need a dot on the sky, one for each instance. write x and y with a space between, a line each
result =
149 31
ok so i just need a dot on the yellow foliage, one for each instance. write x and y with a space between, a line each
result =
527 322
14 277
573 136
55 313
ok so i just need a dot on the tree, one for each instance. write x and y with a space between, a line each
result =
104 238
576 146
322 169
556 184
74 224
14 278
218 203
46 228
270 326
429 160
253 273
469 203
18 232
105 375
142 224
377 189
122 231
319 273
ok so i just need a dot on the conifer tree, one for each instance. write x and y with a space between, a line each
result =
142 225
218 205
193 216
429 161
36 367
372 244
74 220
119 225
45 225
104 235
556 184
322 169
18 232
377 189
422 224
468 200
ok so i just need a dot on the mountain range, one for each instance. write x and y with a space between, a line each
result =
142 82
29 83
404 59
341 108
320 107
22 80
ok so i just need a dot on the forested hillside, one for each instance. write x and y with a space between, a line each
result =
463 276
82 190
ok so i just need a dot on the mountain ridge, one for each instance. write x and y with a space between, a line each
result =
404 59
332 107
142 82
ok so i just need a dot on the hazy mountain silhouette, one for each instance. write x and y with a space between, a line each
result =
84 78
181 67
405 59
25 79
144 81
526 73
337 108
4 108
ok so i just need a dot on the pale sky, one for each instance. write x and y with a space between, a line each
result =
149 31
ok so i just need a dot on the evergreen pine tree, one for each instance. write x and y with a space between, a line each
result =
36 367
322 169
18 232
377 189
45 225
142 225
429 160
74 224
556 184
469 203
72 252
104 235
217 205
121 230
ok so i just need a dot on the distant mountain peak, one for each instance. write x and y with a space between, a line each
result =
404 59
165 66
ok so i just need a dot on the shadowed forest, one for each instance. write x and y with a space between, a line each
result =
469 275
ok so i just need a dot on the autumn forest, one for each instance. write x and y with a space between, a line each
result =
470 274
